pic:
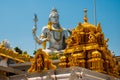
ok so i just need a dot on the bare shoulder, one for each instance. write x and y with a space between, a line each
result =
64 30
45 29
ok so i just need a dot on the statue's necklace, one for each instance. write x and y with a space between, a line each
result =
59 31
57 35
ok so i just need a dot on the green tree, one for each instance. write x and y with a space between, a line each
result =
34 52
17 49
25 52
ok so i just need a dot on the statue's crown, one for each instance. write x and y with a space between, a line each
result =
54 13
54 9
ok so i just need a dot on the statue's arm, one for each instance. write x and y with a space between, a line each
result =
65 34
43 36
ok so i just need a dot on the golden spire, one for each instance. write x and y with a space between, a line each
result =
99 29
85 15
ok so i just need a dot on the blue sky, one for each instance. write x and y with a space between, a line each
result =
16 19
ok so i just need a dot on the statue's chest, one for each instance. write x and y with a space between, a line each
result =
57 35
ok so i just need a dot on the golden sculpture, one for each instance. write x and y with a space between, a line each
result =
10 54
87 48
41 62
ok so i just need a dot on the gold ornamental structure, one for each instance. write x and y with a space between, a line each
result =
10 54
41 62
87 48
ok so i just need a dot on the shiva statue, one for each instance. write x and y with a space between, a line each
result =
53 33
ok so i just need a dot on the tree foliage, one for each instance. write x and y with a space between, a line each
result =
17 49
25 52
34 52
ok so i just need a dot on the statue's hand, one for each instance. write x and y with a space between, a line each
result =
47 39
34 30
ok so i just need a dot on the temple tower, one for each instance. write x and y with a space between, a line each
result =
87 48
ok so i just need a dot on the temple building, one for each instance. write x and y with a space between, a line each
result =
85 57
87 48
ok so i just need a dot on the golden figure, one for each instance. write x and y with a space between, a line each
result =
41 62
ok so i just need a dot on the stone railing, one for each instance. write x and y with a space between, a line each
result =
73 73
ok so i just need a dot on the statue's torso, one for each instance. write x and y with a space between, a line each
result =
55 38
57 35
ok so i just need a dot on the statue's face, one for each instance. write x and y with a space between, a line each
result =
54 18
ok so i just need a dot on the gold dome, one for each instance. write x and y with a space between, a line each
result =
96 54
86 27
